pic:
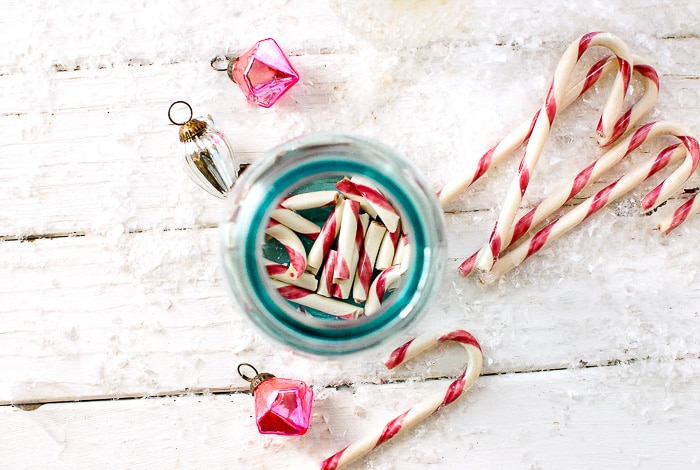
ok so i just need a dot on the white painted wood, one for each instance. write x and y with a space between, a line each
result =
136 305
641 415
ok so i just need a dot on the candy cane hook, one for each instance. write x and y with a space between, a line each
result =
521 134
561 195
543 125
615 190
413 416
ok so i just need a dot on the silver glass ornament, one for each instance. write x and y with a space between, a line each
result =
209 160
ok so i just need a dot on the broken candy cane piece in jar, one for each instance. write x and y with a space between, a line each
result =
341 197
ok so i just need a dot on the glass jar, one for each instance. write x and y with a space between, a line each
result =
314 163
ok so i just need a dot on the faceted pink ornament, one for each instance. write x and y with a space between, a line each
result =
283 406
263 73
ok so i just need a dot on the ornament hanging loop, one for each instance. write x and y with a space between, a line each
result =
217 63
255 380
247 378
170 110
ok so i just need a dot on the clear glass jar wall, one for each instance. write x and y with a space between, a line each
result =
318 163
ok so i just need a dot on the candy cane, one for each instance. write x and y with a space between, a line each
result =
543 124
607 195
351 192
325 238
563 194
606 133
385 211
415 415
517 137
290 241
310 299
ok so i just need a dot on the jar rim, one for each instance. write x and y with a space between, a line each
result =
291 165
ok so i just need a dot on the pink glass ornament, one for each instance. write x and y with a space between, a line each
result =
263 73
282 406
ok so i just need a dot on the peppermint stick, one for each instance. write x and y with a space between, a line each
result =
343 287
325 283
417 414
290 241
607 195
296 222
323 304
365 268
387 250
325 239
383 283
310 200
280 272
346 240
564 193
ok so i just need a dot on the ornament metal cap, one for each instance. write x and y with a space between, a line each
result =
255 380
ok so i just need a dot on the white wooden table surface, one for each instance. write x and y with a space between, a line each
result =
118 342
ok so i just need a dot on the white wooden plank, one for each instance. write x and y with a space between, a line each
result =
641 415
148 313
102 133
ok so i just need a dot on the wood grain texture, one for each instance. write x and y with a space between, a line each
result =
110 285
616 417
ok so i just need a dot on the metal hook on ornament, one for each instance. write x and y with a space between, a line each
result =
170 110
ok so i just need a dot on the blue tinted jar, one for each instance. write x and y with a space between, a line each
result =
313 163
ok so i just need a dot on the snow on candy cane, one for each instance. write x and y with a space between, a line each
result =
416 414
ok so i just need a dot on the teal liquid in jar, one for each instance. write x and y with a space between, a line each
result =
332 244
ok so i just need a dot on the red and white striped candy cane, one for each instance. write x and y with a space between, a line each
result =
520 135
290 241
563 194
417 414
609 194
690 207
543 124
325 238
